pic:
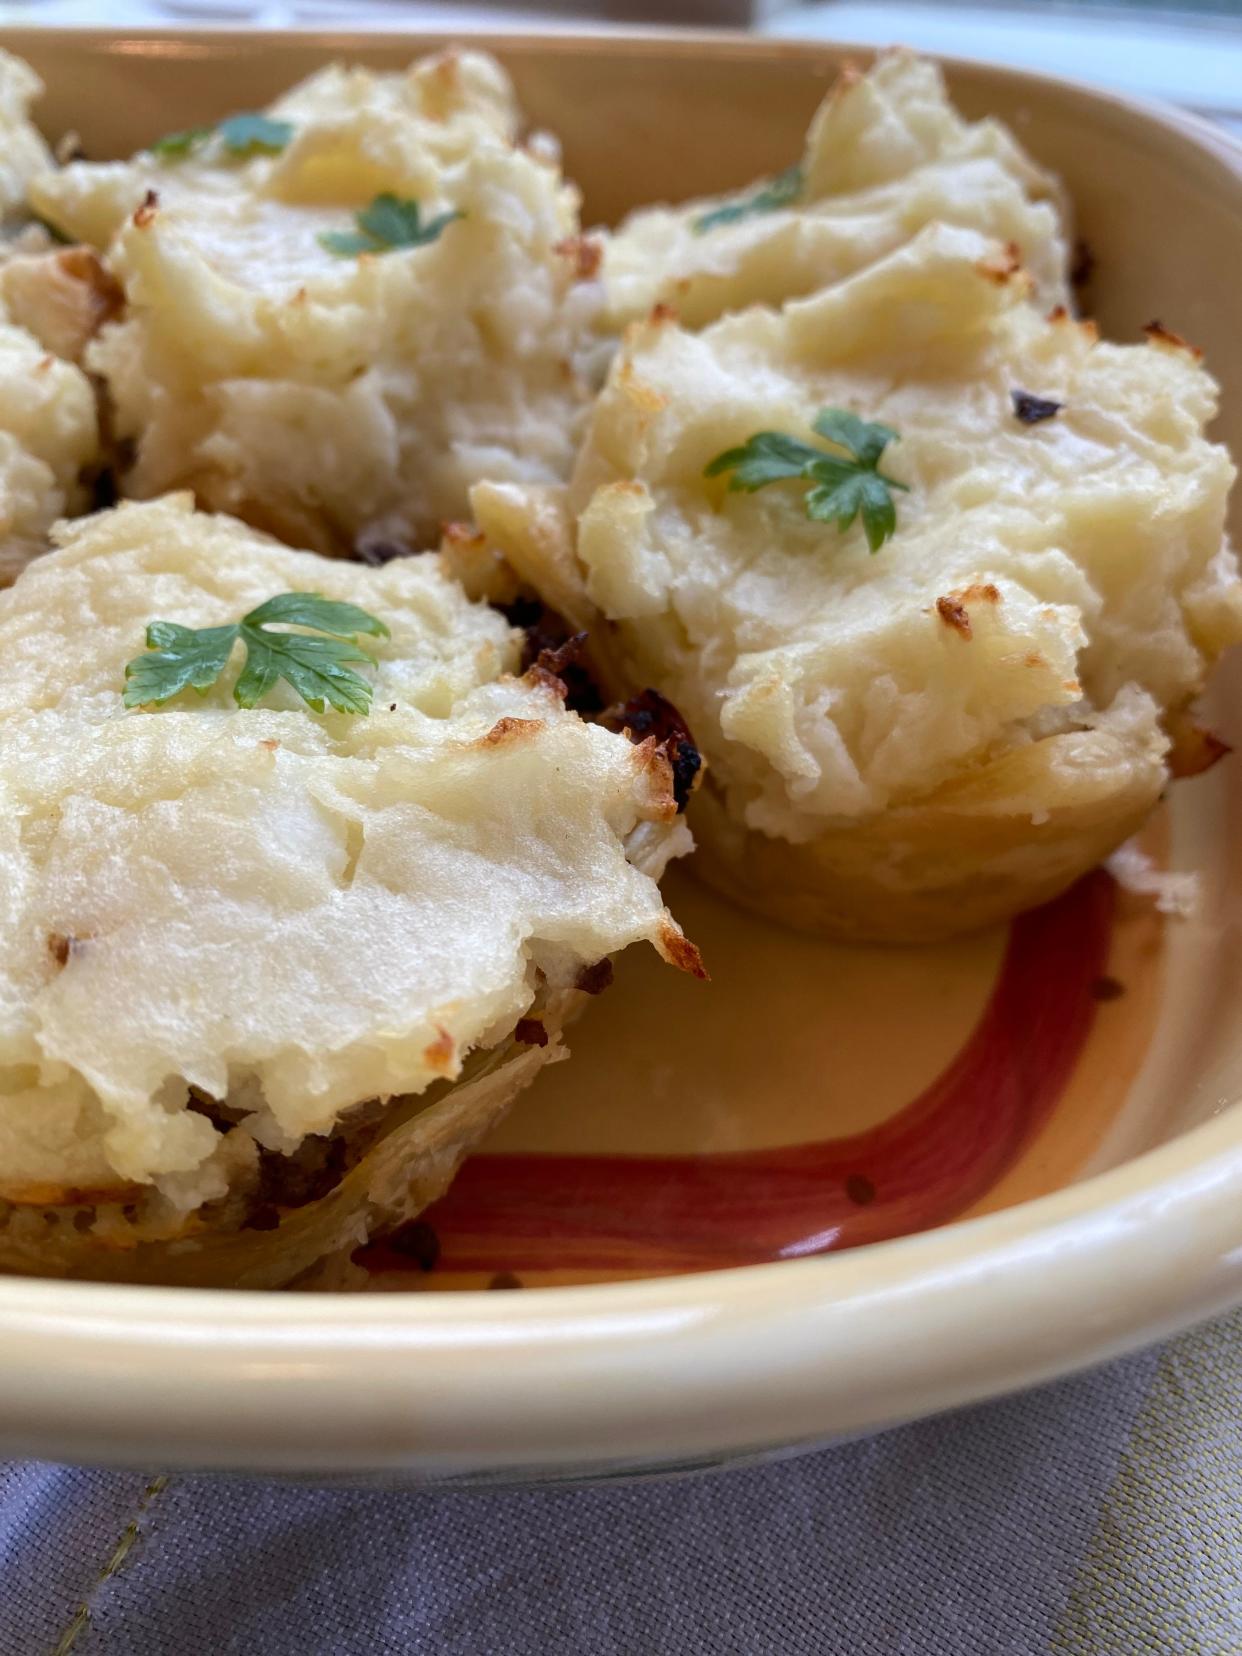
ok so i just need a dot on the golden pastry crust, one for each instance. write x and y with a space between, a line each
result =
964 858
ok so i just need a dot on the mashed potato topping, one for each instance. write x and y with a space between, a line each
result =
267 974
1064 576
48 437
337 398
23 153
886 155
288 913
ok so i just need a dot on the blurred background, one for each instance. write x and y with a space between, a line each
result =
1187 51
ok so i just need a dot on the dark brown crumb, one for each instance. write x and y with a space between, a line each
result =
526 612
104 492
1002 267
103 294
954 614
59 947
556 660
417 1241
980 592
1107 989
552 648
376 553
311 1171
221 1115
859 1189
146 212
1082 265
593 980
1031 409
530 1032
1157 332
508 730
586 253
648 714
505 1279
679 951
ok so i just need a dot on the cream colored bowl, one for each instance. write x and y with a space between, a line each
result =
1110 1210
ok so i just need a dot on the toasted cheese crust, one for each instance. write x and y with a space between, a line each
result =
328 398
287 913
1046 580
886 155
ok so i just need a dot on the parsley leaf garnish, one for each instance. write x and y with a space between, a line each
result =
387 223
781 191
175 146
842 489
318 668
247 135
241 135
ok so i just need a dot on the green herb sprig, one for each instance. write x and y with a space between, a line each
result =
841 489
241 136
386 224
781 191
175 146
318 668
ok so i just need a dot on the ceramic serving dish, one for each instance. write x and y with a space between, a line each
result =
835 1188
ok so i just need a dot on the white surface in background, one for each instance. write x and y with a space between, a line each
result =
1195 60
1188 59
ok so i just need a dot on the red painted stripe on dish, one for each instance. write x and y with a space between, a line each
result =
930 1161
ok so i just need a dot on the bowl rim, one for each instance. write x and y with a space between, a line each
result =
683 1369
686 1368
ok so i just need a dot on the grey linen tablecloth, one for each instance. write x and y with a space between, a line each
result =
1096 1517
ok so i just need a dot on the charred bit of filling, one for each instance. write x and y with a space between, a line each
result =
552 647
306 1174
552 651
648 714
376 553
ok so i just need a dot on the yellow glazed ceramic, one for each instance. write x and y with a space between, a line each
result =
837 1187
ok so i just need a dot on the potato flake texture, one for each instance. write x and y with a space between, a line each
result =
886 155
288 913
48 436
329 398
1080 563
23 153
